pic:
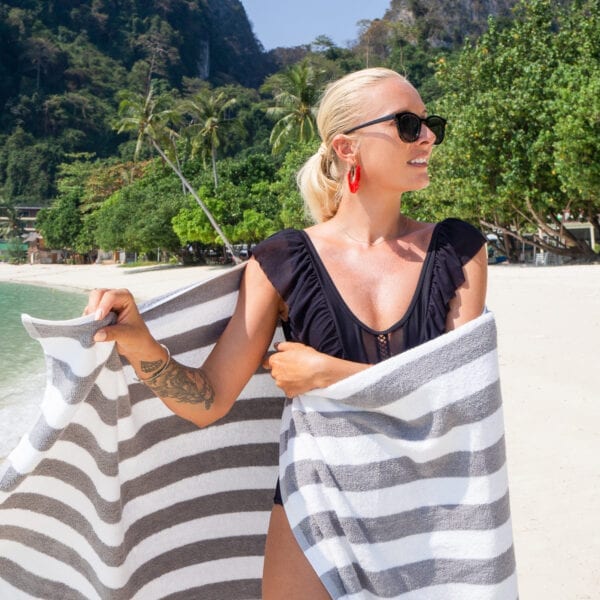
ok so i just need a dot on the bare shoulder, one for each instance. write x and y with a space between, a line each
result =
255 279
469 301
319 229
475 270
419 232
253 271
420 227
324 236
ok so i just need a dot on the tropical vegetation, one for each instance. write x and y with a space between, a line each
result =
129 145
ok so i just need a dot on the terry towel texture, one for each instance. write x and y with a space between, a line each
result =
111 496
394 480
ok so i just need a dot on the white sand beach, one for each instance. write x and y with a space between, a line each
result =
549 349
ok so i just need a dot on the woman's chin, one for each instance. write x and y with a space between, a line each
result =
421 185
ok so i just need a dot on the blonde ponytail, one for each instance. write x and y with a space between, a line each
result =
319 185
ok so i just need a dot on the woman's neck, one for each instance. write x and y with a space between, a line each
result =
370 222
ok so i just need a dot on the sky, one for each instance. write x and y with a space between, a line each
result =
298 22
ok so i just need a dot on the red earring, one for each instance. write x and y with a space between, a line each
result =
354 178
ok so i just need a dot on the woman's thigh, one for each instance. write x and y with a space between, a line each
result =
287 573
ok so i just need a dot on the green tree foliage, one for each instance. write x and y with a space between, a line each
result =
27 168
445 23
247 125
17 250
414 33
61 223
84 184
576 107
134 217
244 203
151 117
511 161
293 213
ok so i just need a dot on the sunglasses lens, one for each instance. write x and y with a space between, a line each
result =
409 127
438 126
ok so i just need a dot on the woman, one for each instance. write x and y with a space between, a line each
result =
363 284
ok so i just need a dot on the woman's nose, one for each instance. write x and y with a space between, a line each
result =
426 135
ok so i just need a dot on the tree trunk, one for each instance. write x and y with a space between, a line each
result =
203 206
213 158
573 252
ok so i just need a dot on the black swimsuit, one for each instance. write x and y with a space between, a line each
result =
319 317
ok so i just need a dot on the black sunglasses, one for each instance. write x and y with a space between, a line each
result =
409 126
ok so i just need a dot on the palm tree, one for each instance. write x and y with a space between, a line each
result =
207 110
10 224
152 117
296 93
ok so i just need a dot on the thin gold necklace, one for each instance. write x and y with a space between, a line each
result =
380 240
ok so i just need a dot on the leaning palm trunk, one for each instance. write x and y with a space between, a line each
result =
203 206
213 158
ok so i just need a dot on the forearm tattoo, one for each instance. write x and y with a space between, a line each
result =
183 384
150 366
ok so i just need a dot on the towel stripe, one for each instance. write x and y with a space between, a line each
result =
426 576
412 522
396 471
343 423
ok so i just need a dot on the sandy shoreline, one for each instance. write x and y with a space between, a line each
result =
144 283
549 349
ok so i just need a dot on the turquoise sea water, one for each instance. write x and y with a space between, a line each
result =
22 368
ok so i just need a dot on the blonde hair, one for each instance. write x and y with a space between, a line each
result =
320 178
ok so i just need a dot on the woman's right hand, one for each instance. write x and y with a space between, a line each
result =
130 332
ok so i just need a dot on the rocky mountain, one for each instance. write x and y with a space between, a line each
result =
446 23
209 39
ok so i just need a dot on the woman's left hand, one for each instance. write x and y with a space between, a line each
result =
297 368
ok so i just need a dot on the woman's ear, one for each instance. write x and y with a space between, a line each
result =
345 147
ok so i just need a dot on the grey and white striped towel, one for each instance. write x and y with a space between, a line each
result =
112 496
394 480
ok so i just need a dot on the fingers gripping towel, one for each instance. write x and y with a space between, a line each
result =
394 480
112 496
